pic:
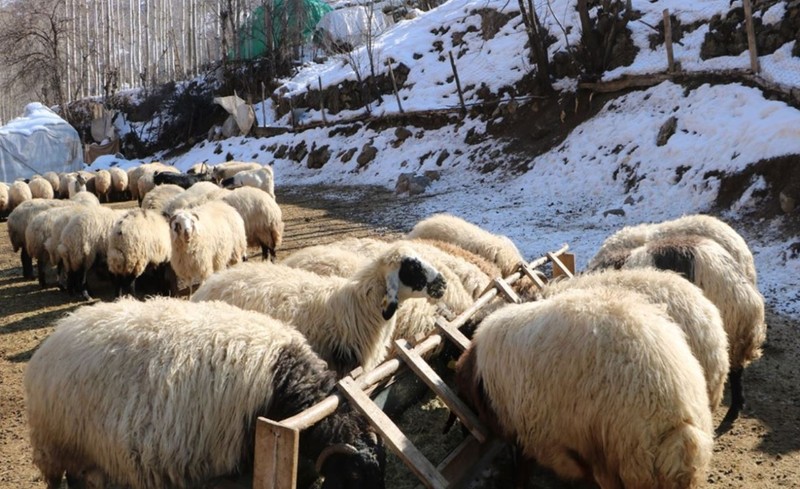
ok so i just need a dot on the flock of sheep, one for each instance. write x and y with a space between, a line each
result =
611 376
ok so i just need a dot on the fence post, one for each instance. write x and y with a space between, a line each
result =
322 101
458 83
751 36
394 86
668 41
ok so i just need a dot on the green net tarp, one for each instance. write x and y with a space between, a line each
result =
253 43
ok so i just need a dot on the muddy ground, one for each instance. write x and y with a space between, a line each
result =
762 450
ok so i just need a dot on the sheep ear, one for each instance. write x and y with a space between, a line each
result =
390 300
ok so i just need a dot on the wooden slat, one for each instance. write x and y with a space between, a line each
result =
559 267
437 385
468 459
276 448
397 441
506 291
452 333
531 274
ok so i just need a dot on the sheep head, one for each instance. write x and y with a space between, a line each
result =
183 225
409 276
348 466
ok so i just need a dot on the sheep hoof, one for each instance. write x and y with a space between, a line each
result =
85 295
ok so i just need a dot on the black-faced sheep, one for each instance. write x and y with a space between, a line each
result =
347 321
156 394
262 178
206 239
180 179
697 316
694 225
495 248
708 265
138 241
596 385
157 199
40 188
263 220
18 193
18 221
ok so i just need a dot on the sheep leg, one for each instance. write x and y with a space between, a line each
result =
737 399
27 264
84 285
41 268
264 253
61 280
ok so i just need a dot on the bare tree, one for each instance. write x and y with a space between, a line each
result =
537 36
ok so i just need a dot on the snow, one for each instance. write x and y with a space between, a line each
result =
35 118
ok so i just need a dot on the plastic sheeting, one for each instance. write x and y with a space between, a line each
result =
38 142
353 25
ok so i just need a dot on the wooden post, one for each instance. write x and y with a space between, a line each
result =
458 83
322 101
668 41
277 448
751 36
394 86
263 104
291 113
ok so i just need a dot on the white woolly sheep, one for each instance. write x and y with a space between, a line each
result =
196 195
495 248
74 183
54 238
36 233
54 180
593 384
134 174
18 193
102 184
40 188
130 410
206 239
119 182
199 169
3 198
84 242
490 269
708 265
262 178
18 221
158 198
346 321
697 316
63 185
694 225
226 170
139 240
263 220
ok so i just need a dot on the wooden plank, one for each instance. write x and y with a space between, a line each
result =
751 35
276 451
531 274
397 441
506 291
668 41
468 459
452 333
559 268
437 385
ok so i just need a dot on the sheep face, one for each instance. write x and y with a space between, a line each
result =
183 225
350 467
412 278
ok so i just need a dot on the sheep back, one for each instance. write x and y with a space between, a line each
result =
136 240
85 237
102 183
55 181
18 193
21 216
158 198
263 220
600 372
119 179
40 188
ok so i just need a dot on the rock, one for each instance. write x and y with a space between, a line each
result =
613 212
318 157
432 175
666 131
281 152
368 153
348 155
787 203
418 184
403 182
298 152
401 133
442 156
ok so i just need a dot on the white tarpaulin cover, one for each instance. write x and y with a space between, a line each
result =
241 112
352 25
38 142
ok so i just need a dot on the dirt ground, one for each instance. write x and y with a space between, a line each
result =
762 450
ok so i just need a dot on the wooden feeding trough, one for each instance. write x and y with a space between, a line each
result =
277 442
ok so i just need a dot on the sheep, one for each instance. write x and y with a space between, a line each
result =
3 198
262 178
74 183
54 180
197 194
158 198
206 239
40 188
487 267
137 241
226 170
18 221
157 394
83 243
698 225
347 321
18 193
180 179
697 316
63 185
134 174
495 248
60 221
708 265
593 384
199 169
145 184
36 233
119 182
87 178
326 260
263 221
102 184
